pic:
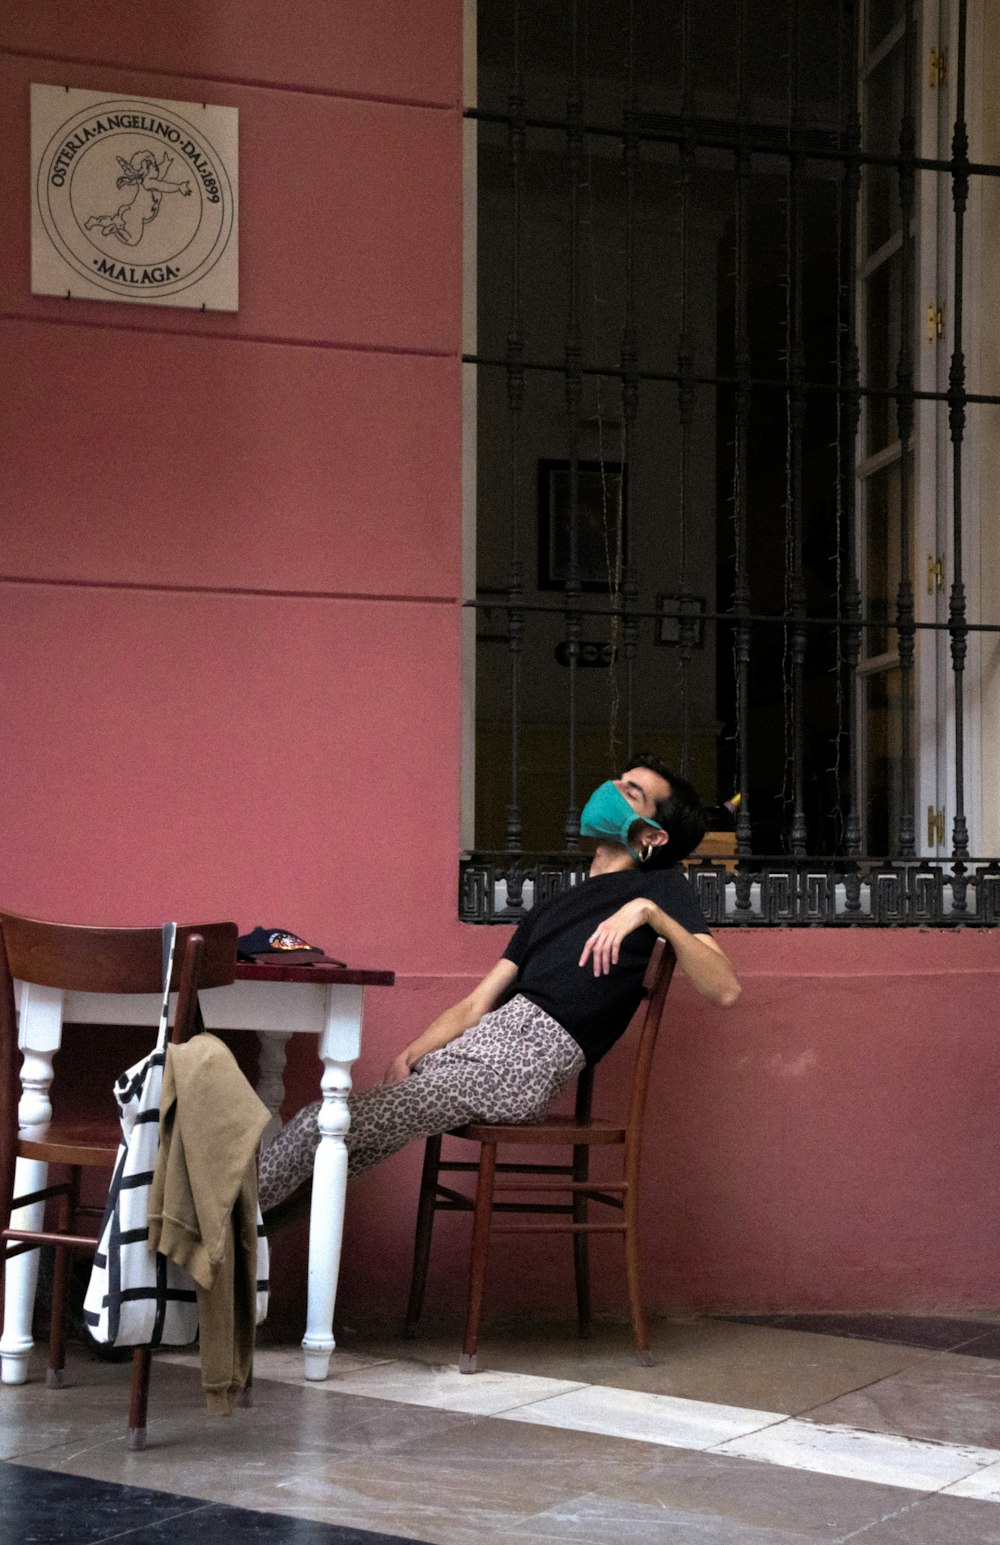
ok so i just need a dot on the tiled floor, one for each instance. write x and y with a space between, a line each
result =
742 1434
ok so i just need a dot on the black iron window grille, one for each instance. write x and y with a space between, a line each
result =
723 418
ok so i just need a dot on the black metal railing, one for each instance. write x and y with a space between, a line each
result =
812 620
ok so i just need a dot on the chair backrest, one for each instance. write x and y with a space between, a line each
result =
105 960
111 960
655 985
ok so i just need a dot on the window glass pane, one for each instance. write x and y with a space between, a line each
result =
883 761
881 17
883 323
881 555
882 111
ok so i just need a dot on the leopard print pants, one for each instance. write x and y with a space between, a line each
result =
509 1067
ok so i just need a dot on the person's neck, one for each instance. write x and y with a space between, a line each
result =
610 858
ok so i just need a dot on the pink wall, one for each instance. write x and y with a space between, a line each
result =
229 633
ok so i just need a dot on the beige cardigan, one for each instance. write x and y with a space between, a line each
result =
203 1203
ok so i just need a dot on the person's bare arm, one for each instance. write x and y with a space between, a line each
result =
460 1017
698 955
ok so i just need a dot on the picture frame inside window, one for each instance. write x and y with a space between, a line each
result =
601 514
668 622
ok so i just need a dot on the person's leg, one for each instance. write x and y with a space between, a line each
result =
441 1092
287 1162
507 1068
383 1120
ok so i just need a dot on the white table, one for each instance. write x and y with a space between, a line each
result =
276 1002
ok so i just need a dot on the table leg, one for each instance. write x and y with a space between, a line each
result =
39 1037
21 1277
326 1219
339 1046
271 1078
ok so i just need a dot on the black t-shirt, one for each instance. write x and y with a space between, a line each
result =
549 942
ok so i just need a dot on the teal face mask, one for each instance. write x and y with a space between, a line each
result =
608 814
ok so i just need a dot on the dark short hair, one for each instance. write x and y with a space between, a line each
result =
680 814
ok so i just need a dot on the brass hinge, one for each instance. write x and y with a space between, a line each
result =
935 827
938 67
935 323
935 573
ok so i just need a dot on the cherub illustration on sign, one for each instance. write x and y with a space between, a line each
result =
147 180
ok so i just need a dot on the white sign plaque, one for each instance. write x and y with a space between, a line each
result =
134 199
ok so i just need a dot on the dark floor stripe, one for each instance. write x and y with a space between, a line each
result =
942 1333
46 1507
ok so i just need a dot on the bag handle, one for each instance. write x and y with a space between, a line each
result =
169 945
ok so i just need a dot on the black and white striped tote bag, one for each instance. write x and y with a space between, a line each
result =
136 1298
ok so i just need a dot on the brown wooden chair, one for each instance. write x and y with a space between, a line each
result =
581 1131
102 960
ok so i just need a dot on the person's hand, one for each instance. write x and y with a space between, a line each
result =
397 1071
605 942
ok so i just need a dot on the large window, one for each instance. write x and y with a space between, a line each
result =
722 422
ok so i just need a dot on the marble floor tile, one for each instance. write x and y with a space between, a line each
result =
862 1456
950 1400
713 1360
591 1519
984 1485
93 1405
701 1485
481 1394
509 1446
280 1362
259 1457
214 1525
650 1418
941 1520
706 1486
285 1364
403 1492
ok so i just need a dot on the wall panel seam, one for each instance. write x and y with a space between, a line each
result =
232 590
222 337
246 82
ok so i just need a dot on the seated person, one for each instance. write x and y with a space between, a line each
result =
566 988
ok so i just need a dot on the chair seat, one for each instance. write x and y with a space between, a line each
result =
554 1129
92 1144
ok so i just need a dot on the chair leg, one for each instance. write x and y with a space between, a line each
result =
634 1278
422 1238
581 1242
245 1397
135 1435
60 1282
57 1325
480 1253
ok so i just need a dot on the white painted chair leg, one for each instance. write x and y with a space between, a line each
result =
21 1277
